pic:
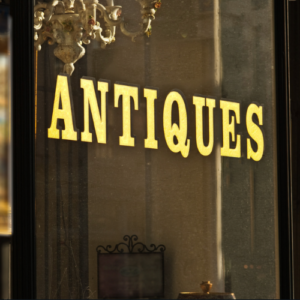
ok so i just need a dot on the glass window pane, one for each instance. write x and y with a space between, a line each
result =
170 137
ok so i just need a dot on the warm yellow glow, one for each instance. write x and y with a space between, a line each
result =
127 92
199 102
35 86
90 101
175 134
62 93
173 130
151 96
229 129
255 132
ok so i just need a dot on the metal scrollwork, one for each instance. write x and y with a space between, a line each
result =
131 247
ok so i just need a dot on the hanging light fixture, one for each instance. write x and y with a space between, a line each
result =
69 23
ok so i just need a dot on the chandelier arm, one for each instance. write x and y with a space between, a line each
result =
131 34
103 40
112 31
39 15
149 20
38 21
148 12
102 9
86 39
106 17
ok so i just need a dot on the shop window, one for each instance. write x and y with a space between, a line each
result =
170 137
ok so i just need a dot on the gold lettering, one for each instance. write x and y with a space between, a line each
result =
255 132
62 93
199 102
173 130
90 100
151 96
126 92
229 128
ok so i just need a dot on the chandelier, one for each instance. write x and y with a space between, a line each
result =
69 23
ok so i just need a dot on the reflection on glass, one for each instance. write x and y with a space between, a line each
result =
5 204
216 215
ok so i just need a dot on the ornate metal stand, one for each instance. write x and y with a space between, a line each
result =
131 270
131 246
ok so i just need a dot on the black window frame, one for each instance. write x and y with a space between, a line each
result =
23 141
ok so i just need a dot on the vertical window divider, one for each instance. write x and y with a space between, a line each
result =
23 151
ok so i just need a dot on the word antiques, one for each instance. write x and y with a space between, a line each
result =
175 134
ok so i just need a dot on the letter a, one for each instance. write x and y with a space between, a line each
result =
65 113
